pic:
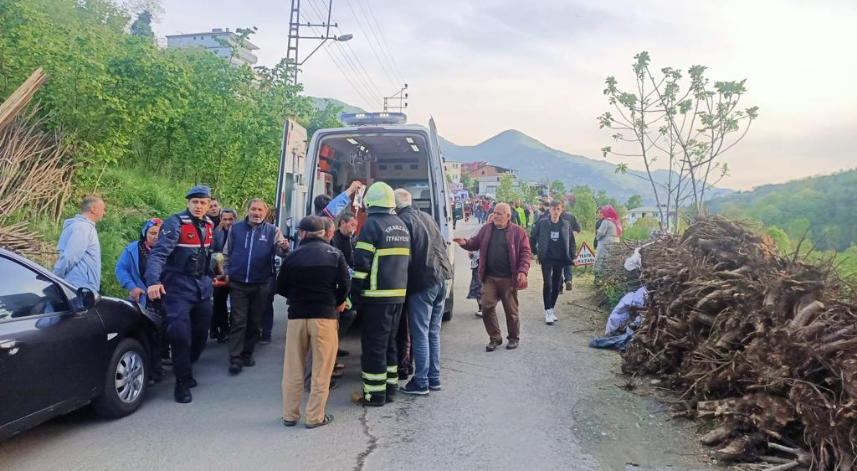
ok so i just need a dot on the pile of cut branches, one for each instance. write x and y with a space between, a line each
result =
763 344
35 172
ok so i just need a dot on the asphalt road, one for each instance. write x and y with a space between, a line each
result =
551 404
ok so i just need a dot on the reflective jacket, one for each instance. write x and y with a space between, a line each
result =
381 258
182 256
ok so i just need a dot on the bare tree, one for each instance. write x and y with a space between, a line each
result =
690 128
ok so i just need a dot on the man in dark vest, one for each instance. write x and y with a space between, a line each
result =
179 272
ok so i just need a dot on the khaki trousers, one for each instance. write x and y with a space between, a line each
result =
500 290
320 335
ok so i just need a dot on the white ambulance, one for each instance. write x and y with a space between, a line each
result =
372 147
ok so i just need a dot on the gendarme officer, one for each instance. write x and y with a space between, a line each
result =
179 272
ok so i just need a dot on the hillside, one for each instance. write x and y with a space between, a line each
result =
824 208
321 104
537 162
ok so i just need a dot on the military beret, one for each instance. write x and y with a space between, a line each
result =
199 191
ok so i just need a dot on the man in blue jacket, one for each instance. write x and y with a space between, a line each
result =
80 251
249 267
179 272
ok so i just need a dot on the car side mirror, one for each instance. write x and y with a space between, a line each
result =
86 299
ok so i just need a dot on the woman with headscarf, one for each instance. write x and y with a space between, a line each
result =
606 235
131 270
131 267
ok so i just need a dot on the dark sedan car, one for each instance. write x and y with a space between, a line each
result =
62 348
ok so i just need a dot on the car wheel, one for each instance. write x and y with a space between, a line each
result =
125 381
447 308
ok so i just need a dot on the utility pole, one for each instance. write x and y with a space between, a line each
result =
401 95
292 52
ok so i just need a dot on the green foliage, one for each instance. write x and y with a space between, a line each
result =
780 238
584 207
506 191
642 229
182 113
822 209
142 26
557 188
635 201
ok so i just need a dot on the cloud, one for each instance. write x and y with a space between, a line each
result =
480 67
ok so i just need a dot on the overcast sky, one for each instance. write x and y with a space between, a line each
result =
481 67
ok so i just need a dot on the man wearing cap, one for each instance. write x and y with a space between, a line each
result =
381 259
315 280
179 273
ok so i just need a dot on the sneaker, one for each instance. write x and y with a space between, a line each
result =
568 286
549 317
513 344
553 315
412 388
478 313
328 418
290 423
492 345
248 361
235 367
435 386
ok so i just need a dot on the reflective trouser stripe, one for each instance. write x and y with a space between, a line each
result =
374 376
393 374
385 293
370 388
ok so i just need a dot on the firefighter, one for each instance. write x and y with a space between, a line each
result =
179 272
381 259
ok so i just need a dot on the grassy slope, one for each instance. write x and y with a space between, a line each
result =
131 198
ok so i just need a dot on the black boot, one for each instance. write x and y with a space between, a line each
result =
182 392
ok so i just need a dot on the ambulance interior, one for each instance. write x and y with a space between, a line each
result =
401 160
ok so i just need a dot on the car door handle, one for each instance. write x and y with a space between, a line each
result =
10 346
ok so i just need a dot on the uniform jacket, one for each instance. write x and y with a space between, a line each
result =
540 238
249 252
128 270
429 260
315 279
80 254
381 259
181 258
519 248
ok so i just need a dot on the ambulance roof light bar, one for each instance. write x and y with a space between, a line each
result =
374 119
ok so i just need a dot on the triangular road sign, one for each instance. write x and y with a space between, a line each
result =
585 256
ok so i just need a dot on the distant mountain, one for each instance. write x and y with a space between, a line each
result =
535 161
321 103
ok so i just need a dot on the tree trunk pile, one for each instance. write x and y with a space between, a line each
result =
763 344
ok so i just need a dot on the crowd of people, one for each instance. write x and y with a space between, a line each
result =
207 273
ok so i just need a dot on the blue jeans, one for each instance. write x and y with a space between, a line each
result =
567 273
425 312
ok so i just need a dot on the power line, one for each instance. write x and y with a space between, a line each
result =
365 77
336 62
371 46
384 40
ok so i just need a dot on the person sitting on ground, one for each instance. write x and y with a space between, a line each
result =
315 279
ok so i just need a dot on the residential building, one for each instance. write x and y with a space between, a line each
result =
488 170
636 214
219 41
453 170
